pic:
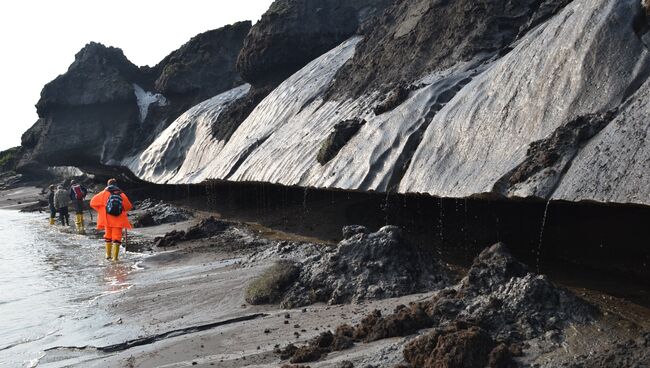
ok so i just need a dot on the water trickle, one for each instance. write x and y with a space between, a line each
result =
386 208
304 200
440 223
541 235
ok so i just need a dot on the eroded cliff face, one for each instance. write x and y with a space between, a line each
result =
105 108
539 98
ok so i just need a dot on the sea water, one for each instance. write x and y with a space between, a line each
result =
50 282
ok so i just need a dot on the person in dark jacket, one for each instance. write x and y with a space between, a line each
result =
50 203
77 196
61 202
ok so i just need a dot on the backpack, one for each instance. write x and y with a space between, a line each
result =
78 192
114 204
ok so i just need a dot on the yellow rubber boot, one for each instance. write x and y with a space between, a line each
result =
116 251
109 250
52 221
77 223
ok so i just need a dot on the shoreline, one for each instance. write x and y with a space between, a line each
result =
200 282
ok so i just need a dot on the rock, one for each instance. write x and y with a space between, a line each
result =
236 112
372 266
9 159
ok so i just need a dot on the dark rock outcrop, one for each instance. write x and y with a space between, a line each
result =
8 159
105 108
205 66
294 32
340 135
414 38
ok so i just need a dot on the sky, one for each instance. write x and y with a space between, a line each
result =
39 39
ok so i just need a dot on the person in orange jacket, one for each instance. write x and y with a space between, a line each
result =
112 206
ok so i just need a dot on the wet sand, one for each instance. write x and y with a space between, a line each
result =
187 308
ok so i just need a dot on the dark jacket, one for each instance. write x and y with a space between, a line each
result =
73 195
50 199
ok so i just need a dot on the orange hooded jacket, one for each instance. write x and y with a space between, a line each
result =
98 202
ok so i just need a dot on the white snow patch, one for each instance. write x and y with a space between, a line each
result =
145 99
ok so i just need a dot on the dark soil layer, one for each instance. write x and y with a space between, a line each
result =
481 322
557 150
577 242
294 32
236 112
416 37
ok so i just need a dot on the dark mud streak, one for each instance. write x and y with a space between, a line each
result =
563 144
155 338
249 151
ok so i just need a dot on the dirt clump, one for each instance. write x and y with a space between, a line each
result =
482 320
367 266
458 345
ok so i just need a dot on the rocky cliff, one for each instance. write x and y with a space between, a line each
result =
452 98
104 107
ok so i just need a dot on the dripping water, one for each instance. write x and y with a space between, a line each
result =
304 200
541 236
386 209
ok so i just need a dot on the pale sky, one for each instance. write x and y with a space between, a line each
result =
39 39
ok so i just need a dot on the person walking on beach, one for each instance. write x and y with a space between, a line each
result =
78 194
61 203
50 203
112 206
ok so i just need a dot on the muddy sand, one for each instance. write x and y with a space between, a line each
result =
187 307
